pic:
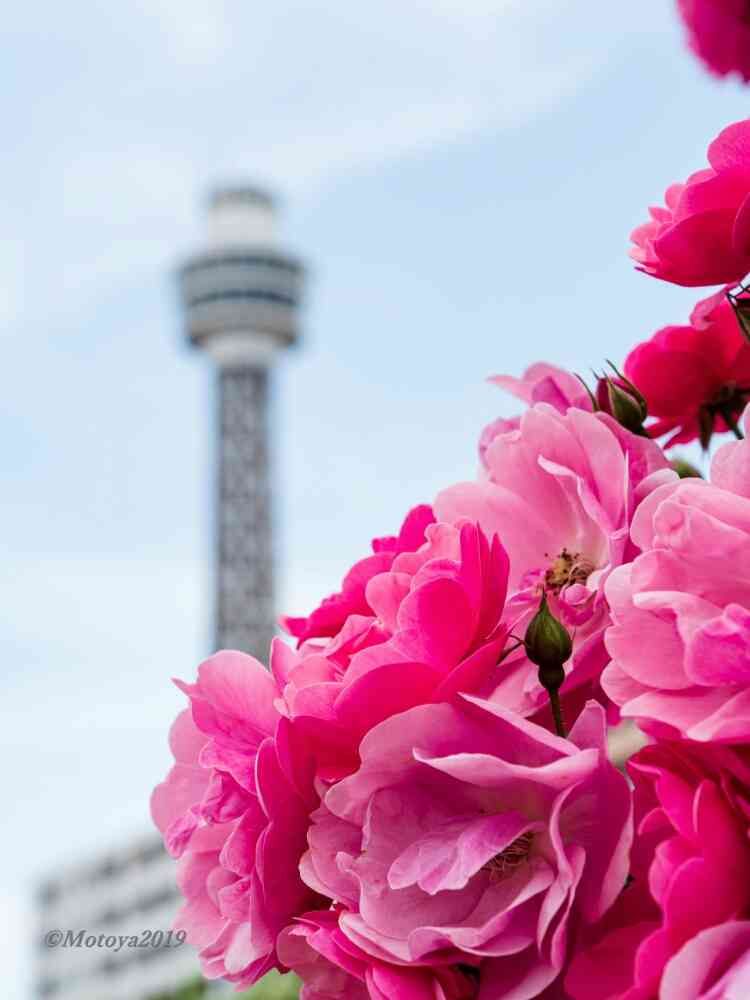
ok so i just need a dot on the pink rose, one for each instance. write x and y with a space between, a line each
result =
540 383
545 383
695 378
235 810
680 639
330 616
434 627
560 492
470 835
680 929
702 235
333 968
719 34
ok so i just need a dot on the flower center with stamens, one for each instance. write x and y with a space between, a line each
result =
565 569
508 860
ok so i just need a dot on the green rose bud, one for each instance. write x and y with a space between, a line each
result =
626 408
626 385
548 645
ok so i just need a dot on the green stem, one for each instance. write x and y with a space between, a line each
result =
554 701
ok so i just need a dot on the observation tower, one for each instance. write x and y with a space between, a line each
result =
240 300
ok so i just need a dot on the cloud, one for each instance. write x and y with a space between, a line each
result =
154 101
378 138
342 92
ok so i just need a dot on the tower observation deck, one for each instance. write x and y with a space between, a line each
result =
240 297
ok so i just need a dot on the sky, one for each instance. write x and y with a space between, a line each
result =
460 176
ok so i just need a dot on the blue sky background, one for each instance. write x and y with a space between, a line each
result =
461 176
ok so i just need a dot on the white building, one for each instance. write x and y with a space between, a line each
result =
119 894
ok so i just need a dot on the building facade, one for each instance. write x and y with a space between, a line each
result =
122 893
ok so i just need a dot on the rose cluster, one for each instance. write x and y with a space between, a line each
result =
415 800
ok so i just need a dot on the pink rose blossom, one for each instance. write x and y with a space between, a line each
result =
693 377
500 425
680 930
434 627
328 619
470 835
560 492
545 383
719 34
540 383
333 968
680 639
702 235
235 810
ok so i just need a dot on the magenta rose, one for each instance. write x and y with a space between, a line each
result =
329 617
696 379
560 492
470 836
433 627
235 810
680 930
702 235
333 968
680 638
719 34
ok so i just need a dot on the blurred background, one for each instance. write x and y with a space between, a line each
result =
459 178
